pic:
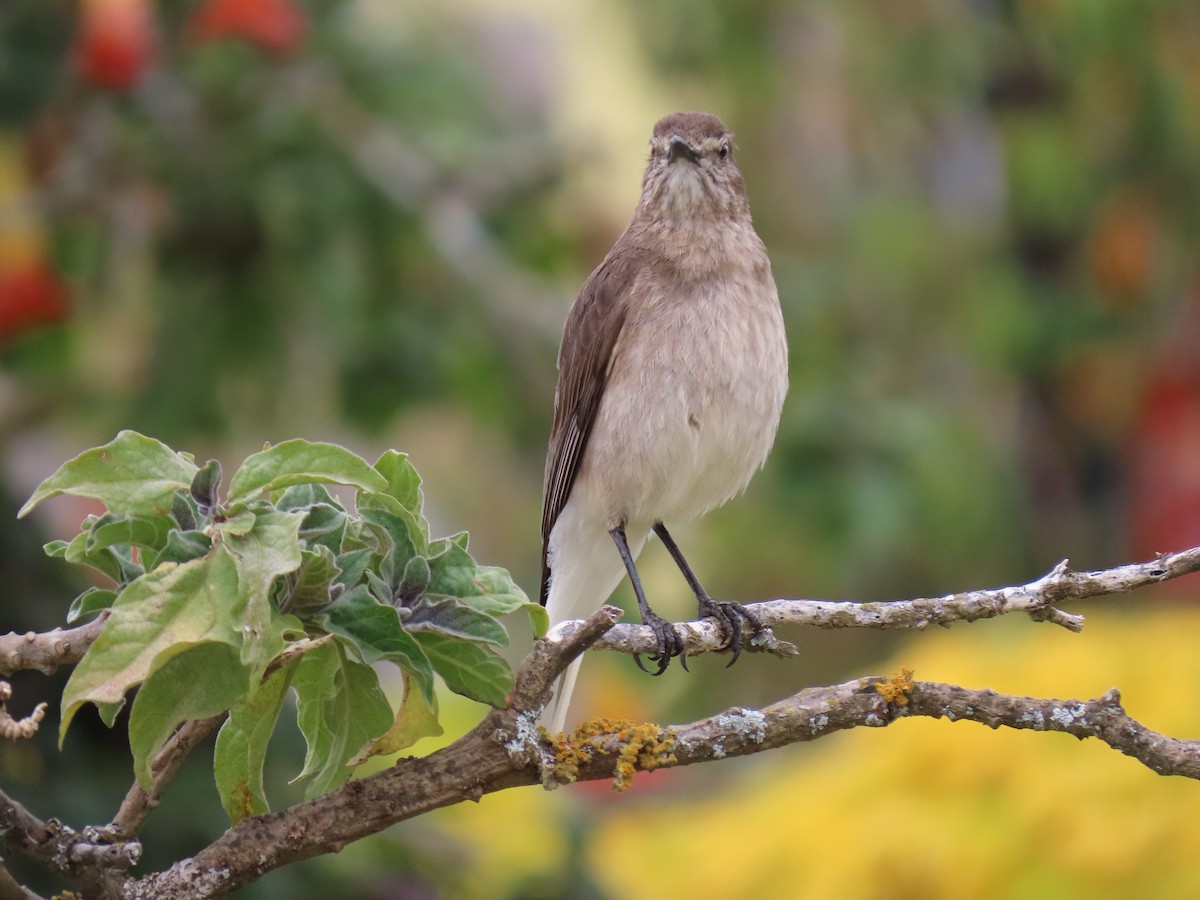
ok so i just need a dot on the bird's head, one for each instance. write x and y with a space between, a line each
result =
691 173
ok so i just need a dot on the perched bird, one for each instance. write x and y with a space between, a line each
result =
671 376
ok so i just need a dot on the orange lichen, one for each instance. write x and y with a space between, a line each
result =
897 688
643 746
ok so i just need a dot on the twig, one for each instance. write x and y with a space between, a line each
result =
47 651
93 858
11 889
1039 598
139 802
18 729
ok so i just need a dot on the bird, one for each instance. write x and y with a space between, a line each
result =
672 373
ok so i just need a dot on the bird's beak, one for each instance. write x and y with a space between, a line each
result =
681 149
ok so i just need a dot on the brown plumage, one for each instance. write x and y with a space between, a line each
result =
672 374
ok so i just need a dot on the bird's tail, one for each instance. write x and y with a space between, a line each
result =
555 716
584 572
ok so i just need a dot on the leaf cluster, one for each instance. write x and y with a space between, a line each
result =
227 605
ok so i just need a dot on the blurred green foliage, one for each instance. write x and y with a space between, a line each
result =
984 219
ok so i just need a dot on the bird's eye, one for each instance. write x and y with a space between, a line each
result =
724 151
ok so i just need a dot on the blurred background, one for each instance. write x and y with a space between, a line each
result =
224 222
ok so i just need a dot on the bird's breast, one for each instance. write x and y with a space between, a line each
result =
692 402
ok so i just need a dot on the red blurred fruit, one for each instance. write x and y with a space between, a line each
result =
115 43
31 294
276 26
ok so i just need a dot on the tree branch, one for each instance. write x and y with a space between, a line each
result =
139 802
1038 598
484 761
11 889
18 729
91 857
507 750
46 652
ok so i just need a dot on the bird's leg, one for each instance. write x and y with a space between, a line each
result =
669 642
730 616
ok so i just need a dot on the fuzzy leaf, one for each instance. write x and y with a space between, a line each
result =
93 600
417 718
144 531
182 546
197 681
324 525
156 616
317 573
205 486
451 568
340 710
299 462
375 631
402 537
498 595
132 475
471 669
452 617
403 482
269 549
242 746
353 565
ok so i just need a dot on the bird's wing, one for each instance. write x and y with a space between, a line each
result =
584 361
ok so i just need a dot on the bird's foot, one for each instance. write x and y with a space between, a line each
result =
732 618
670 644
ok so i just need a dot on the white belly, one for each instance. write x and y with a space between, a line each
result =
688 418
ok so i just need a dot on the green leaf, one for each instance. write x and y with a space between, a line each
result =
297 462
269 549
380 588
375 631
324 525
237 525
103 560
316 575
196 682
340 710
415 580
144 531
183 546
360 535
306 496
402 537
353 564
93 600
451 569
403 482
417 718
497 584
55 549
402 495
159 614
499 595
184 511
132 475
242 746
115 561
452 617
471 669
205 485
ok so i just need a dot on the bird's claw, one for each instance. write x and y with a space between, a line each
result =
731 618
669 645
